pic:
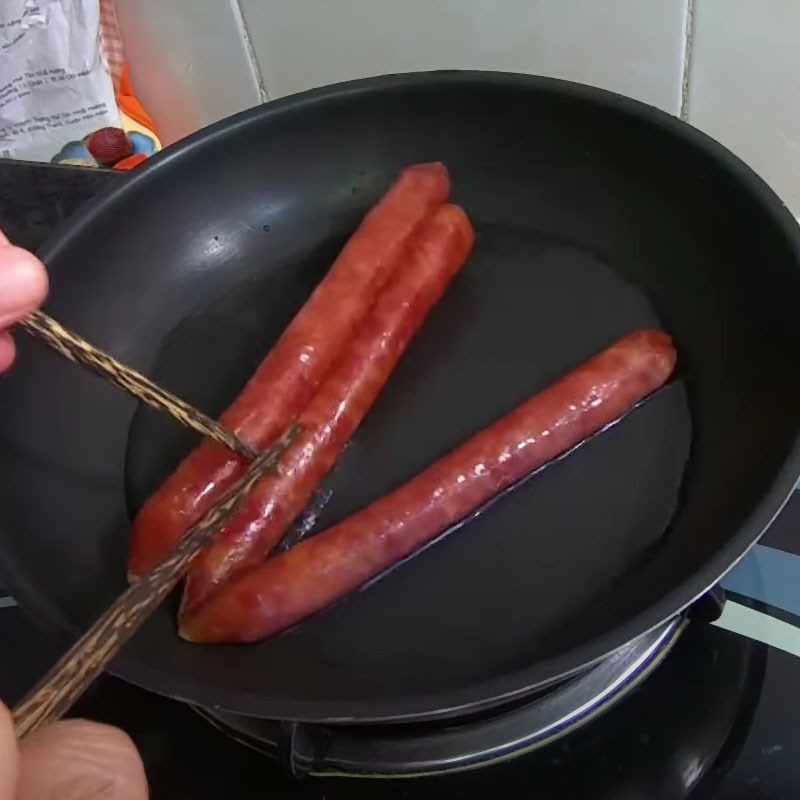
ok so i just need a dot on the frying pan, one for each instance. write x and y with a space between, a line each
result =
595 215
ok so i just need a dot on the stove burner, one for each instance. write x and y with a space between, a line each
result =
420 749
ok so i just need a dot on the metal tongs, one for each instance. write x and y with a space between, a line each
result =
55 693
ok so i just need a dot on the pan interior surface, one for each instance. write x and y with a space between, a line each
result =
594 216
497 586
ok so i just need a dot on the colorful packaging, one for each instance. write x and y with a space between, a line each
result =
63 77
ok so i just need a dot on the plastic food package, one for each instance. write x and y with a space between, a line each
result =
62 77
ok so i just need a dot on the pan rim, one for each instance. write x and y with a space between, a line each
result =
415 707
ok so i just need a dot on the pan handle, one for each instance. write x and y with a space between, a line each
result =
762 600
708 608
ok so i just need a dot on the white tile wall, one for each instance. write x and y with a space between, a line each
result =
631 46
744 85
195 61
188 61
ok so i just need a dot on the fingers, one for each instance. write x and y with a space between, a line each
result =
80 760
23 283
8 756
23 287
72 760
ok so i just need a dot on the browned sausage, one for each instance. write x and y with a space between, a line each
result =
292 371
285 589
434 256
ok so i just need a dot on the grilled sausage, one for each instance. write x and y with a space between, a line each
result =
434 256
282 591
286 380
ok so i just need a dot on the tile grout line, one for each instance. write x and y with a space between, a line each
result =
688 46
241 25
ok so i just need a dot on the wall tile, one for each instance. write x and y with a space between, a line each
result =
744 87
631 46
188 61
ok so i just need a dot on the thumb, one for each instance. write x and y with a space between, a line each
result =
77 760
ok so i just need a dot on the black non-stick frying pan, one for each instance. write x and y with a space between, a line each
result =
595 215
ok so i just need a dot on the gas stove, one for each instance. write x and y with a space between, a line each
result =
690 710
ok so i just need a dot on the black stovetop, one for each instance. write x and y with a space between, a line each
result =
719 719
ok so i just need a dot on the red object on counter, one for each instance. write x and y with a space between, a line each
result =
284 383
279 593
434 257
131 161
109 145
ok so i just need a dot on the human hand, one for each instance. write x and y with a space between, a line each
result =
69 760
23 286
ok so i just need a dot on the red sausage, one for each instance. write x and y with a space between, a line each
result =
284 383
285 589
434 256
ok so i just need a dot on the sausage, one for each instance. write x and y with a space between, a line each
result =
284 383
434 256
279 593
